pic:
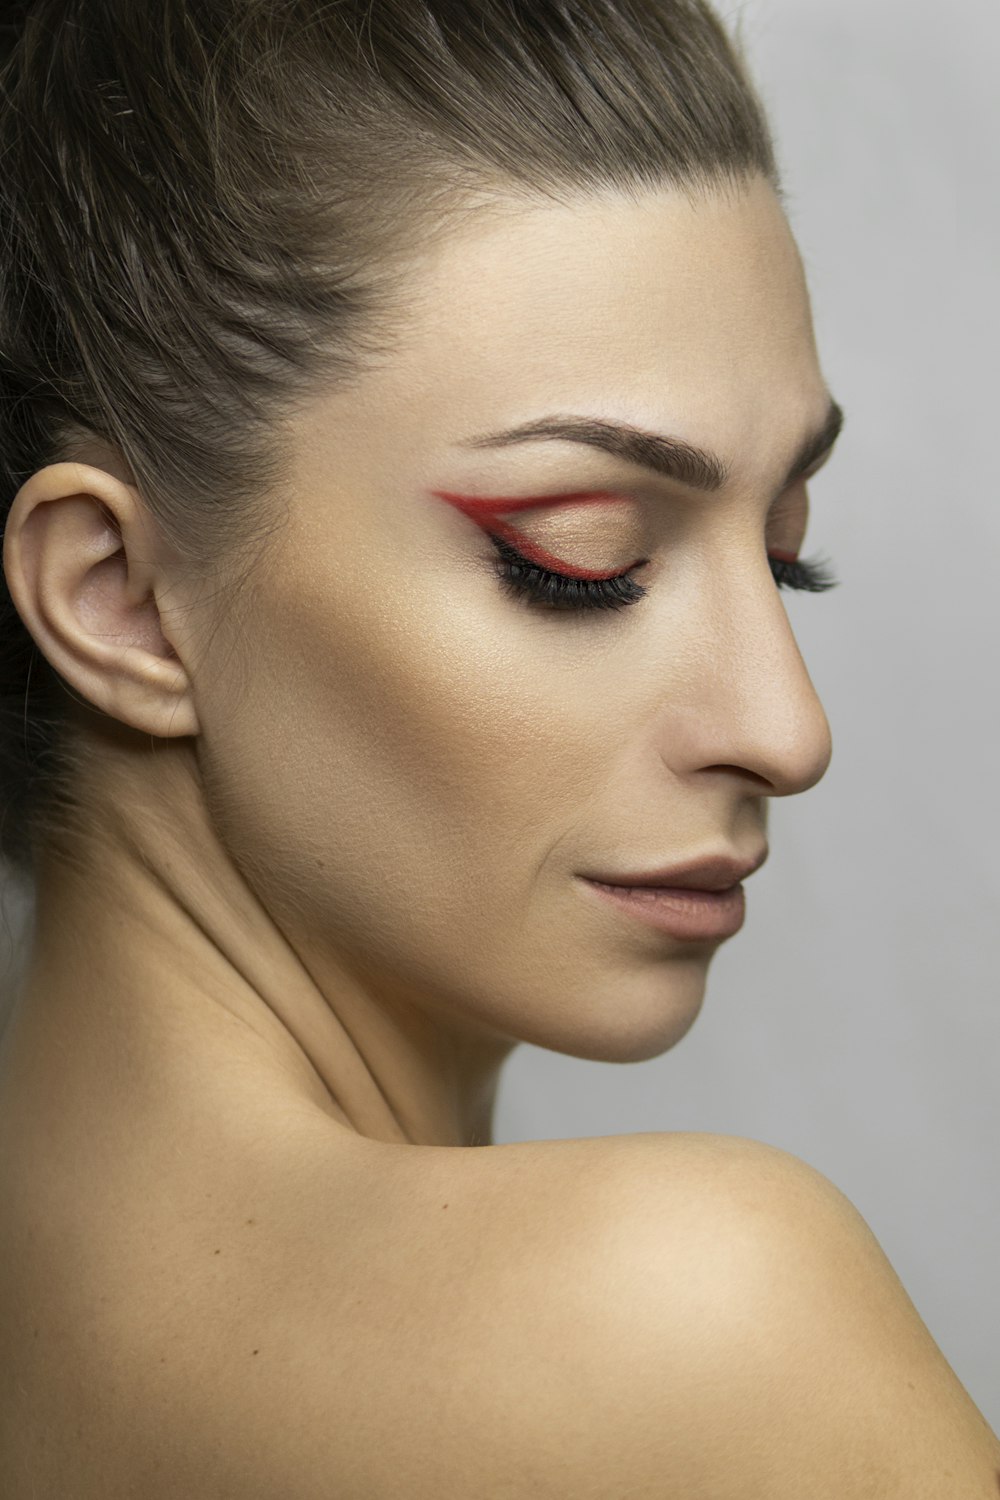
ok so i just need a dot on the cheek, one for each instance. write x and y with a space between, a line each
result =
394 761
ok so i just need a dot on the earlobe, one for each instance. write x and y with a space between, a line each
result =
79 559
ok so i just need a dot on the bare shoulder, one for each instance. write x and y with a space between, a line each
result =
761 1342
654 1315
658 1314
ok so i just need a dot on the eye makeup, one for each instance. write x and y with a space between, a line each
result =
535 577
486 513
548 589
500 505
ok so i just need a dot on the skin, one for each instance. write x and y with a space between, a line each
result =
332 882
350 822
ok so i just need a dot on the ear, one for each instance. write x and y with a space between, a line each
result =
81 557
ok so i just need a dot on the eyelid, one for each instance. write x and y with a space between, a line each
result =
485 512
533 555
482 507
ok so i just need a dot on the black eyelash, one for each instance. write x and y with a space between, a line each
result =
814 576
522 578
526 580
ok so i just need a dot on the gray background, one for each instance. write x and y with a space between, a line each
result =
855 1020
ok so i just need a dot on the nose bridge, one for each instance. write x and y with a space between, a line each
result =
755 706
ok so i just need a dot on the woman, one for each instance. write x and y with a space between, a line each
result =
407 411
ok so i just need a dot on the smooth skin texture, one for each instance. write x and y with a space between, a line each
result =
334 883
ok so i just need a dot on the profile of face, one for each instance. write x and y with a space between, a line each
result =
421 763
418 760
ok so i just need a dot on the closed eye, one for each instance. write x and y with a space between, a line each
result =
544 588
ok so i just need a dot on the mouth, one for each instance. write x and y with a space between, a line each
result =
700 901
683 912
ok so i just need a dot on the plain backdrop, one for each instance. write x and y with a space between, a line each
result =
855 1020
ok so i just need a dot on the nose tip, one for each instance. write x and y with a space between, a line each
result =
794 754
762 715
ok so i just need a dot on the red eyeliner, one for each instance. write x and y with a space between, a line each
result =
478 506
486 512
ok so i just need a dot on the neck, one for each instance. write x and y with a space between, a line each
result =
151 941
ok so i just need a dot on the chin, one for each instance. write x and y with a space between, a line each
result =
626 1020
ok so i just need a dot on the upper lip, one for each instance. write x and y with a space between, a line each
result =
717 872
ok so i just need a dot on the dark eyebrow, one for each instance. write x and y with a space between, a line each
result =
668 456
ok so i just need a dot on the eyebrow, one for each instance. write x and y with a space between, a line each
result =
668 456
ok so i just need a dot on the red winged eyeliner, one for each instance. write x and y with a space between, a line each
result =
485 513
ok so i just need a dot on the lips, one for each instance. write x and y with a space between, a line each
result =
714 873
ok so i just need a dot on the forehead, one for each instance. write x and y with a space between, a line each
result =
651 300
676 316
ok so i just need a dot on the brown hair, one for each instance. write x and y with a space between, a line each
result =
207 209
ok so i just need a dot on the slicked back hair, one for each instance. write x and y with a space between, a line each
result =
207 209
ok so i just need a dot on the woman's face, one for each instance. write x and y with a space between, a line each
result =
418 766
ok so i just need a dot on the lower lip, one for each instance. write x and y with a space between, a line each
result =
683 913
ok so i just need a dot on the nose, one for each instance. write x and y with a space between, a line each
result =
749 703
